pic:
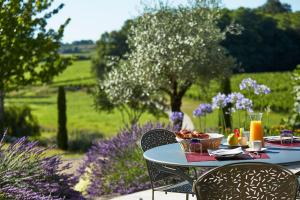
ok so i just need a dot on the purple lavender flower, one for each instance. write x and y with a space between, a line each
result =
219 101
26 173
247 84
262 89
202 110
176 116
103 158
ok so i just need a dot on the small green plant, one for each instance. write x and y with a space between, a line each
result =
21 122
62 134
294 120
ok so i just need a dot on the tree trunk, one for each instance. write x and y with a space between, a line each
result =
176 103
175 107
226 89
2 117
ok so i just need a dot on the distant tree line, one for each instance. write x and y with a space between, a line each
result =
79 46
270 40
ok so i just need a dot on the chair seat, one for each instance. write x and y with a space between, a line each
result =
182 187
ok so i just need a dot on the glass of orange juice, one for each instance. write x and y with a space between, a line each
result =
256 128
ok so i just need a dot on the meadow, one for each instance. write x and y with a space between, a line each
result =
84 121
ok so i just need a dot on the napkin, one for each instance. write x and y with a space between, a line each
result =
225 152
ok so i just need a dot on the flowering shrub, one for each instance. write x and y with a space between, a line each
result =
26 173
219 101
201 111
115 165
177 118
238 102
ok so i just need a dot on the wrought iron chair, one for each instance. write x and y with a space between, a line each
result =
158 172
298 175
249 180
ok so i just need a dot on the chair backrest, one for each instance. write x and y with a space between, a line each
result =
155 138
251 180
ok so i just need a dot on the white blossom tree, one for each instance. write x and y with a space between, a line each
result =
171 48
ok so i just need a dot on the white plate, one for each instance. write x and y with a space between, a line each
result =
234 146
225 152
252 150
278 138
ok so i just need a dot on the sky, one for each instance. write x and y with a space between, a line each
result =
91 18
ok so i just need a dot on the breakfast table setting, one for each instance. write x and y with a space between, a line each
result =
209 150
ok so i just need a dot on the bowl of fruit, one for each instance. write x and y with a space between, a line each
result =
237 138
207 140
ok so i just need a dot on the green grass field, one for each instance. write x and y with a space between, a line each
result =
83 118
79 73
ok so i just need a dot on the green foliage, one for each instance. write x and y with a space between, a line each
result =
113 44
275 6
170 48
29 51
20 122
265 37
295 117
280 99
81 46
81 140
62 133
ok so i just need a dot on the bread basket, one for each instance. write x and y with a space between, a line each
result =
213 142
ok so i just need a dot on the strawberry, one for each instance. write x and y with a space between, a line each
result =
236 132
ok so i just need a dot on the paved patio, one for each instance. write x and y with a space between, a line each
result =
147 195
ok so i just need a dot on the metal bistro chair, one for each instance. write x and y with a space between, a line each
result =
298 194
251 180
158 172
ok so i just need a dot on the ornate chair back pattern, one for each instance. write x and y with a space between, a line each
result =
241 181
155 138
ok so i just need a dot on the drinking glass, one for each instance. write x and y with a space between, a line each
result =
256 128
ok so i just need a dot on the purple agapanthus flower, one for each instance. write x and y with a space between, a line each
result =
247 84
244 104
262 89
219 101
234 97
202 110
176 116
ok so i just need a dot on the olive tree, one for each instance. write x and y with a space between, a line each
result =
172 48
28 50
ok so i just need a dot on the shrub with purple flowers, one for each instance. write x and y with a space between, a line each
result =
177 118
248 84
115 165
201 111
26 173
219 101
238 101
253 87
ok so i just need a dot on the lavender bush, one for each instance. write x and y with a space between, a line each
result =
115 165
26 173
177 119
